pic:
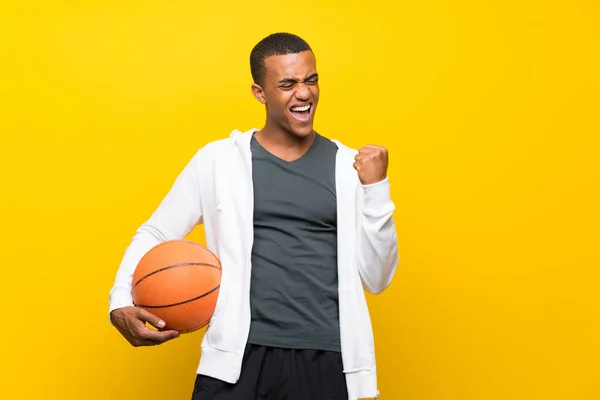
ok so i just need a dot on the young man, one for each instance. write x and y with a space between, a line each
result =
302 226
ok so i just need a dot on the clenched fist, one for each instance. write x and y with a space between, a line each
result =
371 164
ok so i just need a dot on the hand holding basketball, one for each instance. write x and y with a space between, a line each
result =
371 164
131 323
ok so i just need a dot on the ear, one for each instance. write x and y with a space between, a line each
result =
259 93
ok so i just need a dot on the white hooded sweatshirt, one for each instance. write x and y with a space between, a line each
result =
215 189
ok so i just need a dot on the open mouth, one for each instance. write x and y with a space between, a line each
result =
302 113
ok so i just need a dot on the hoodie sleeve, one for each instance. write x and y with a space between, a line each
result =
377 241
178 213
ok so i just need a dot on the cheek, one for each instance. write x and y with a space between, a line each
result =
276 104
315 92
282 101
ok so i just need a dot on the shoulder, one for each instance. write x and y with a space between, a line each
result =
207 152
216 146
223 147
344 150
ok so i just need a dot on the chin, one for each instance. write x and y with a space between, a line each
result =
300 130
303 132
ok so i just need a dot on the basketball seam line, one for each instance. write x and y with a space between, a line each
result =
173 266
200 325
181 302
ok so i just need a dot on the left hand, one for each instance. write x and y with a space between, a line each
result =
371 164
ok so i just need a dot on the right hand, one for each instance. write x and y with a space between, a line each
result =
131 323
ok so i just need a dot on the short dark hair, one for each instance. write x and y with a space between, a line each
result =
276 44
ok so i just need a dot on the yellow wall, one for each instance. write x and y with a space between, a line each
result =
491 113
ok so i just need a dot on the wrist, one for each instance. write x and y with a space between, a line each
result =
378 182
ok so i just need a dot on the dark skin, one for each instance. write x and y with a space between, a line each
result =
131 323
291 81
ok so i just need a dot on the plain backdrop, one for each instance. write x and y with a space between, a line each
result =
490 112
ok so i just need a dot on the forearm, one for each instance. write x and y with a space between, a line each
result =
145 239
377 239
176 216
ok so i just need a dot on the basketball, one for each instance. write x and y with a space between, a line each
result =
178 281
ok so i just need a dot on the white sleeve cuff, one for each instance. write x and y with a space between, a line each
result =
382 182
119 298
377 198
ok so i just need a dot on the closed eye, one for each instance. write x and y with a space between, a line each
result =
289 83
287 86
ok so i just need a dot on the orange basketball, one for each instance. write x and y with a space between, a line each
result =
178 281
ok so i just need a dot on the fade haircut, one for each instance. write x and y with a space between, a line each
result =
276 44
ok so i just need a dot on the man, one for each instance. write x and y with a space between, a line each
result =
302 226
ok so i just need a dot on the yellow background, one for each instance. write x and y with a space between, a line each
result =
491 114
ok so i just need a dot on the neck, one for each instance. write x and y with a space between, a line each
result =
283 138
283 143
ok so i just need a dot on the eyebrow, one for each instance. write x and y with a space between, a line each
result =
292 80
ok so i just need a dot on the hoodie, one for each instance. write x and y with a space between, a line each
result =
215 189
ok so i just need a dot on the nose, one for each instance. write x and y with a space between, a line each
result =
302 92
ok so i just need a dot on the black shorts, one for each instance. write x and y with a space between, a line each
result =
271 373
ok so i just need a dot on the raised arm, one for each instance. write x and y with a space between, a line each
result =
377 240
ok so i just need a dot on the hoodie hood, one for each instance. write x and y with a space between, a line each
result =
242 138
